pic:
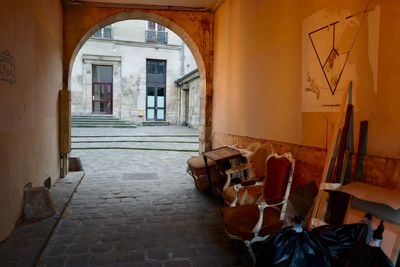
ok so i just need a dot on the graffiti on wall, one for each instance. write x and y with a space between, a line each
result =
7 67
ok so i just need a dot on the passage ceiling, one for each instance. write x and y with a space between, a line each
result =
201 4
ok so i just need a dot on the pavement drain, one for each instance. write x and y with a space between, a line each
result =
140 176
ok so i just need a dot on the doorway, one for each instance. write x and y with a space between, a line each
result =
102 92
155 92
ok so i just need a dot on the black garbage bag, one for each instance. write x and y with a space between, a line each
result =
367 256
341 240
292 248
370 255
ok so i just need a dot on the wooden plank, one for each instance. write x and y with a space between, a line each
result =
343 143
350 149
64 130
331 167
320 201
65 121
361 150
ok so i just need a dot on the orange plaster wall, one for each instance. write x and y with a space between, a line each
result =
258 74
257 70
32 33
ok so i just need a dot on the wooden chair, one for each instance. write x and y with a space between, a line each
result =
255 222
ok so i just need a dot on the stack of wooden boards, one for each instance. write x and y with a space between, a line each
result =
338 165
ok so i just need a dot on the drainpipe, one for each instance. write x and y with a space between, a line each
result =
179 86
180 105
183 58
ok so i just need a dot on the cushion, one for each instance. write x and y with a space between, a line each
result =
197 168
240 221
278 170
197 162
258 159
247 195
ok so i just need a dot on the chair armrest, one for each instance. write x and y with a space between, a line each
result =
248 182
261 207
237 189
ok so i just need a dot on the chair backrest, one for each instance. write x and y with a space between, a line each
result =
278 177
259 158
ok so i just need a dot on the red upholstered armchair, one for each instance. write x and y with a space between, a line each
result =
255 222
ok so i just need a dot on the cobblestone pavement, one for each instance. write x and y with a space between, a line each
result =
139 208
24 245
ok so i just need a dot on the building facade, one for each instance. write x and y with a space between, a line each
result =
189 99
128 70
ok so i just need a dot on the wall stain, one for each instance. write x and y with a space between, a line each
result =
7 67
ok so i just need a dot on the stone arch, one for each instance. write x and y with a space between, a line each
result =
195 28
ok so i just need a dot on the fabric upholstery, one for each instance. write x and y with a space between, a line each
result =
197 168
196 163
247 196
258 161
277 172
240 221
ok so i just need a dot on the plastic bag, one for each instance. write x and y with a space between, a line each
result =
293 248
340 240
368 256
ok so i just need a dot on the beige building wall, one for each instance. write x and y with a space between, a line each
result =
127 52
189 111
261 64
32 34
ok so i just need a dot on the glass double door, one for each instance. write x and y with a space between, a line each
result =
155 103
155 93
102 89
102 98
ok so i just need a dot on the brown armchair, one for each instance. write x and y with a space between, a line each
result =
255 222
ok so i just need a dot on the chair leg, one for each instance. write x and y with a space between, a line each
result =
250 250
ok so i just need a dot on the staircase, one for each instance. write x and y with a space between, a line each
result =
99 121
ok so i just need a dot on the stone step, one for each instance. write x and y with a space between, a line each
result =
173 146
93 116
99 121
94 119
102 126
137 140
155 123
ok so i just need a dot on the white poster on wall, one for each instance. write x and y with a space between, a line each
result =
328 42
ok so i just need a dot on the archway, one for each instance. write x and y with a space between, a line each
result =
195 29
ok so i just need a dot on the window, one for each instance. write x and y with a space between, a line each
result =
104 33
156 33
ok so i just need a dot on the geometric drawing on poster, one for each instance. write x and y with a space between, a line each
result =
312 86
333 65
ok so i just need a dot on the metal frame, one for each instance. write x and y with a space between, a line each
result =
104 100
156 86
